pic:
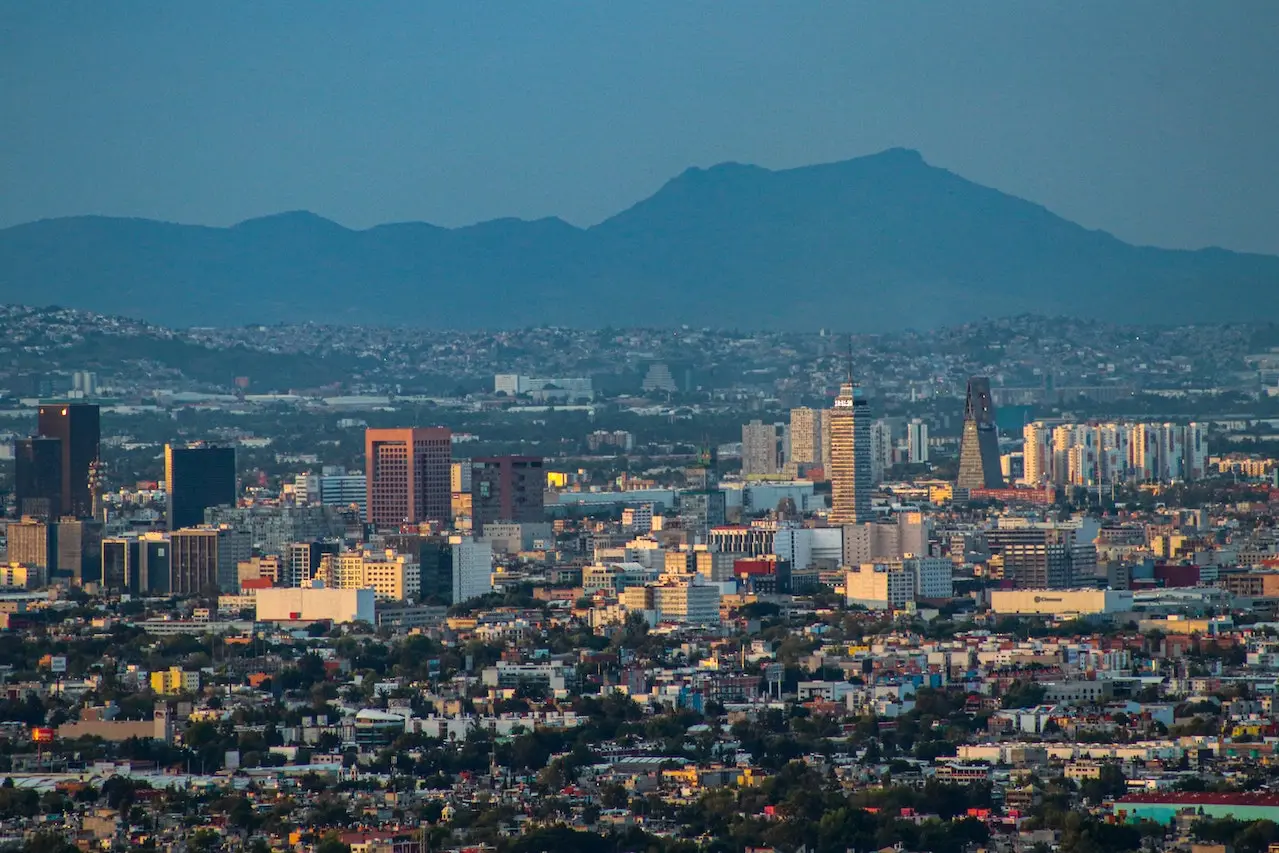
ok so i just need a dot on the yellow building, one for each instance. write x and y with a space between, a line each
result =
174 680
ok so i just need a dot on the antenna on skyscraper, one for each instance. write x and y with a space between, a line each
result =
850 359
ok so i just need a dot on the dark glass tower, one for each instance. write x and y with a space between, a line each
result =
78 427
979 443
506 488
38 477
196 478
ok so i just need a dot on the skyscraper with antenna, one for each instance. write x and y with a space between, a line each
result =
850 453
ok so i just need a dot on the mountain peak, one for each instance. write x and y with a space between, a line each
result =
876 242
289 219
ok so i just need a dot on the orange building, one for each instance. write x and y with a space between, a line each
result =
407 474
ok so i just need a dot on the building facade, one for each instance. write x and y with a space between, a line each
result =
806 436
507 488
37 483
979 466
850 457
203 558
78 427
761 449
196 478
407 474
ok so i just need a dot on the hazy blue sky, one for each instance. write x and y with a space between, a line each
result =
1158 121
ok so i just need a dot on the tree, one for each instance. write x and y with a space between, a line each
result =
332 843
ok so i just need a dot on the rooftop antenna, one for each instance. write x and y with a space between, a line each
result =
850 359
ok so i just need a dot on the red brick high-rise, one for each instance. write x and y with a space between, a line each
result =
407 472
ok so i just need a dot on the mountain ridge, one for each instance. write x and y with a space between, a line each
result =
882 241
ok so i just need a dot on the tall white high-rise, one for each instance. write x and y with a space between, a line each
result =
472 568
1196 450
881 450
917 441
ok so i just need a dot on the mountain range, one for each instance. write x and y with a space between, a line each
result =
885 241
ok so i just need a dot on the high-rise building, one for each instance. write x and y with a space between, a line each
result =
881 450
824 433
80 550
1196 451
34 542
806 436
154 553
136 564
917 441
196 478
850 452
761 450
1036 453
434 557
207 558
1041 557
38 477
472 568
506 488
407 475
78 426
979 443
120 563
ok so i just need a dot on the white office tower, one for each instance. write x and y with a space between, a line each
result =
472 568
917 441
805 436
1143 452
881 450
1037 453
1196 451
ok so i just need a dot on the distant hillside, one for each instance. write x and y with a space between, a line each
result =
878 242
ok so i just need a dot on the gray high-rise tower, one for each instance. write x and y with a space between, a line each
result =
979 444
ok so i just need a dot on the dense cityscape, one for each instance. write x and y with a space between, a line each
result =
1008 590
665 427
